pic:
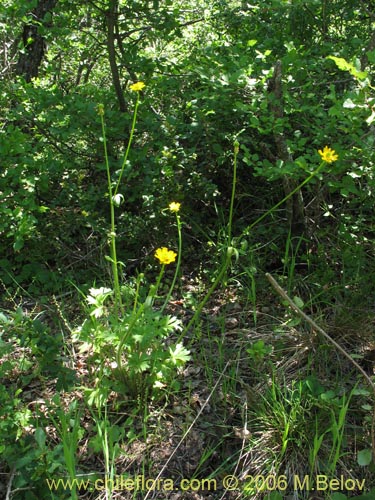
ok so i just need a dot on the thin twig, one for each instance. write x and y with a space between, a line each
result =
316 327
190 427
9 488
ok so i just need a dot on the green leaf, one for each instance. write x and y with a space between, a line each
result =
18 244
40 437
3 319
367 496
298 302
98 312
360 391
364 457
139 362
294 321
344 65
341 63
314 385
275 495
366 407
179 355
338 496
328 395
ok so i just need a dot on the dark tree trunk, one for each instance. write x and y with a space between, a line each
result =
369 48
294 204
111 23
34 45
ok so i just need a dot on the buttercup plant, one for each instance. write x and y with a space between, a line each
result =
116 198
127 339
142 339
327 155
141 363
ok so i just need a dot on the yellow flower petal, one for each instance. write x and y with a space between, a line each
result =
329 155
137 87
165 256
174 206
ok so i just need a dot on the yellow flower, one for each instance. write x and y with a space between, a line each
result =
137 87
174 207
329 155
165 256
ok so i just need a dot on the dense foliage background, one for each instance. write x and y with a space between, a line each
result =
282 77
208 70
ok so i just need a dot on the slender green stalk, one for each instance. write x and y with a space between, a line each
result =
308 179
230 251
112 235
112 194
154 289
314 449
178 262
129 144
68 426
337 429
125 336
234 182
136 316
204 301
109 450
138 286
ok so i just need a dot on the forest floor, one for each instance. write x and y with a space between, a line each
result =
264 403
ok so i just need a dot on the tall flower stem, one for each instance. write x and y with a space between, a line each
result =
231 207
234 182
113 192
230 251
178 262
211 290
112 234
136 315
300 186
129 144
154 289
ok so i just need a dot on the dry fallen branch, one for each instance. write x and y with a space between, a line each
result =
317 328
